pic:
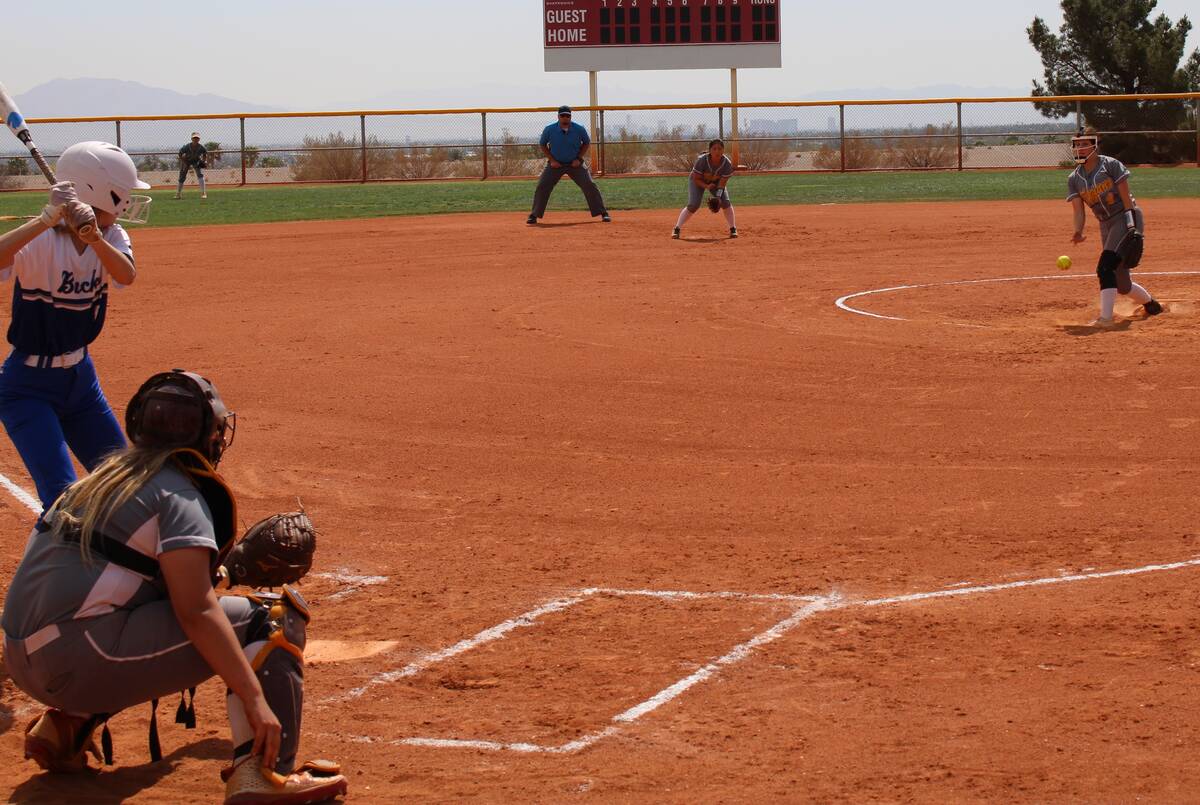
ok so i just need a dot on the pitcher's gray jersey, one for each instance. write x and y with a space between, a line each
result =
1098 189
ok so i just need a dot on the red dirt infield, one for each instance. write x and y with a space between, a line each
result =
495 417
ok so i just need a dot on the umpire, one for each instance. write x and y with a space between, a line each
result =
565 144
192 156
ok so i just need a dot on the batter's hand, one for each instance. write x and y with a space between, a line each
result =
78 216
1078 237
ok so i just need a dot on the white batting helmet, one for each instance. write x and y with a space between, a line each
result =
103 174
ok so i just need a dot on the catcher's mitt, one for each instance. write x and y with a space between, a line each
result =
275 551
1131 248
714 204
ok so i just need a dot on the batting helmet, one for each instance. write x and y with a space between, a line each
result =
104 175
181 409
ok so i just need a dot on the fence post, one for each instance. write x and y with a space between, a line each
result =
242 128
1196 107
1078 115
960 137
601 149
483 116
118 134
362 123
842 134
721 122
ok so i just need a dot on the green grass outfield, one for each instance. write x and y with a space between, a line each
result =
318 202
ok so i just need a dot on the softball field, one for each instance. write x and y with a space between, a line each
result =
849 509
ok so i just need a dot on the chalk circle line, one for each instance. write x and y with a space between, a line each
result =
842 302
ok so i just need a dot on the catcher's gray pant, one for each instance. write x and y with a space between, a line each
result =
1112 231
127 657
696 197
582 177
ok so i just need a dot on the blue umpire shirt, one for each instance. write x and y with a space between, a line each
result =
565 145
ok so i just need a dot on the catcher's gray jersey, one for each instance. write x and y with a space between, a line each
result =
1098 188
54 584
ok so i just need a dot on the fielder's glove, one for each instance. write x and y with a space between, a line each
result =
1131 248
273 552
714 204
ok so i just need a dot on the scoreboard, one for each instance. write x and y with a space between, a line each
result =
661 34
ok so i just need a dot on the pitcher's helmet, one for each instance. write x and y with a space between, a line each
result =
180 409
104 175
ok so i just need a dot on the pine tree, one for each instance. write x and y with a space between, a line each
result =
1108 47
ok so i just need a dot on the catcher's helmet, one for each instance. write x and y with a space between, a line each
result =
181 409
104 176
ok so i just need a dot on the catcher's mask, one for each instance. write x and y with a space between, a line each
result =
1083 146
181 409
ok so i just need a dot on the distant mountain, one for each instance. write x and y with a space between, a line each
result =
916 93
104 97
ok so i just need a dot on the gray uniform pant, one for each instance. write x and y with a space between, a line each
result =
115 661
582 177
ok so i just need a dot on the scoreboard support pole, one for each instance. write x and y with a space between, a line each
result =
733 112
593 101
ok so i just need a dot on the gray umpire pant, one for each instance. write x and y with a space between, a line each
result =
582 177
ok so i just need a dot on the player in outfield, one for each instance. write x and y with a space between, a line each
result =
50 398
192 156
565 145
711 172
113 605
1102 183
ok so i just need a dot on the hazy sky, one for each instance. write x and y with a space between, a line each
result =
306 55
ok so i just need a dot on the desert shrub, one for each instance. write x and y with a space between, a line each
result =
625 152
762 154
269 161
338 157
861 154
512 158
154 162
937 148
420 163
681 147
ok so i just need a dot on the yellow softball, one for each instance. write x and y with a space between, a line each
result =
1064 262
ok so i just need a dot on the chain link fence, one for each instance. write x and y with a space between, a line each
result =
954 134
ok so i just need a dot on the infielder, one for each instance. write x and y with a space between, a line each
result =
113 604
565 145
1102 183
50 398
711 172
192 156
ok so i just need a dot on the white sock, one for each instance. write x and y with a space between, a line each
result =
239 726
729 216
1139 294
1108 298
684 215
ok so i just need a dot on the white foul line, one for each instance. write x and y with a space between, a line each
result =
841 301
20 494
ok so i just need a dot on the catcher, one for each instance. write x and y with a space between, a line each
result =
1102 183
711 172
113 603
192 156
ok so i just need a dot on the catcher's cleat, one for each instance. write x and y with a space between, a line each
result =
248 783
606 218
733 232
59 742
531 220
1153 307
675 233
1102 323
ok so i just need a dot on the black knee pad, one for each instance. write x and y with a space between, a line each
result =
1106 270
